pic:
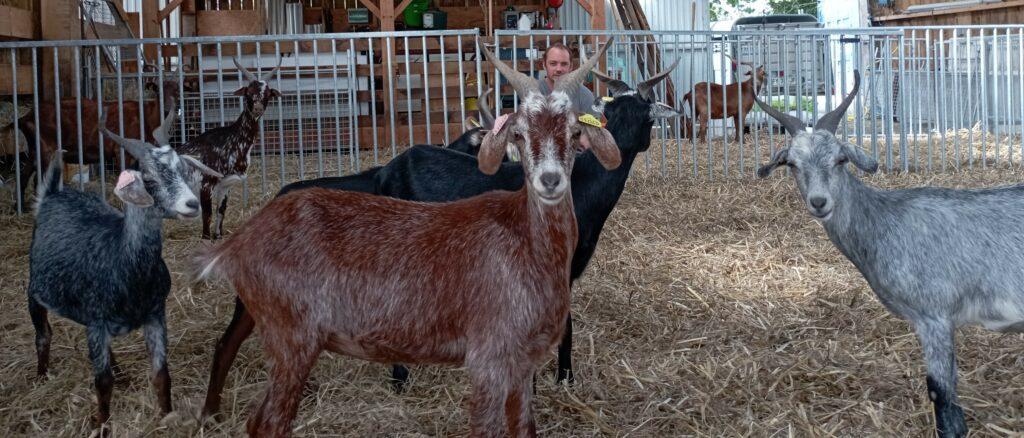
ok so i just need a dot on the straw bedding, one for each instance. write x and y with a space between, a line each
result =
714 306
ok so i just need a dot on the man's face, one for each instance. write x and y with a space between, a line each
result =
557 63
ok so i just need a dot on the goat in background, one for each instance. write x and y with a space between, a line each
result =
226 149
733 100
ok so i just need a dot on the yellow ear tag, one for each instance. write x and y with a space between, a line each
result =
590 120
475 123
607 98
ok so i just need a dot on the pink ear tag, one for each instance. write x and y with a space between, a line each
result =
127 177
499 122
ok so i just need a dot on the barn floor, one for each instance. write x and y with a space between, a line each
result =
712 307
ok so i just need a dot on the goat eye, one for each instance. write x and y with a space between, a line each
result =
842 161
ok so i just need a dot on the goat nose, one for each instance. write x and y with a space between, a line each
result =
550 180
192 203
818 202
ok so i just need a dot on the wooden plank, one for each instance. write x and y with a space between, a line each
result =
150 27
585 4
434 68
951 11
372 7
16 22
417 93
169 9
7 80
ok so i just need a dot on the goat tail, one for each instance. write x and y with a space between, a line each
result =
52 179
209 262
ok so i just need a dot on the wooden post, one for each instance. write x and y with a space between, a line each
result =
150 27
61 21
387 24
597 22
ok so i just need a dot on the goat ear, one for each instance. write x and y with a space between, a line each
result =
493 148
241 91
662 111
132 190
603 145
200 166
274 93
859 158
777 160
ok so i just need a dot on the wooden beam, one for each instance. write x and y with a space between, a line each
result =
401 6
150 27
167 11
372 7
597 15
952 11
587 6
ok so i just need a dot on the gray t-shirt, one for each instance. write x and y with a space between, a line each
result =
582 99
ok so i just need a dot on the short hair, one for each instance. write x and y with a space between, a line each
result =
556 45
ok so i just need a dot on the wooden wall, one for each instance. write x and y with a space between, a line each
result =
1006 12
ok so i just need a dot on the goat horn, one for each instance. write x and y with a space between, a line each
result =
136 148
792 124
161 134
486 118
616 86
270 74
737 61
829 122
646 88
248 75
520 82
570 81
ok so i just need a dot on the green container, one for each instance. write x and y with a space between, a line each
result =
413 14
435 20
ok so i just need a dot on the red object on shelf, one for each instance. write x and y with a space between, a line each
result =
555 3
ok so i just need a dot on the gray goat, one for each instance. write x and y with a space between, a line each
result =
103 268
939 258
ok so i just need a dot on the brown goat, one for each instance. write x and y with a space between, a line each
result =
481 282
725 101
91 153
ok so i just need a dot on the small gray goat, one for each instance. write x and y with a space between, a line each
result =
939 258
103 268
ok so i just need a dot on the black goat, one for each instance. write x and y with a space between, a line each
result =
102 268
431 174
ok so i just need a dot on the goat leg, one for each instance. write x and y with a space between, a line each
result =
565 354
43 335
224 355
206 204
937 340
291 359
219 226
99 355
156 341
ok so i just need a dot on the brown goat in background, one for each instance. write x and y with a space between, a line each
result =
733 100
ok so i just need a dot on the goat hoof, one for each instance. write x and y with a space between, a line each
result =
169 419
210 415
100 426
399 375
565 377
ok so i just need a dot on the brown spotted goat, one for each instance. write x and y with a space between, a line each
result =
481 282
226 149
